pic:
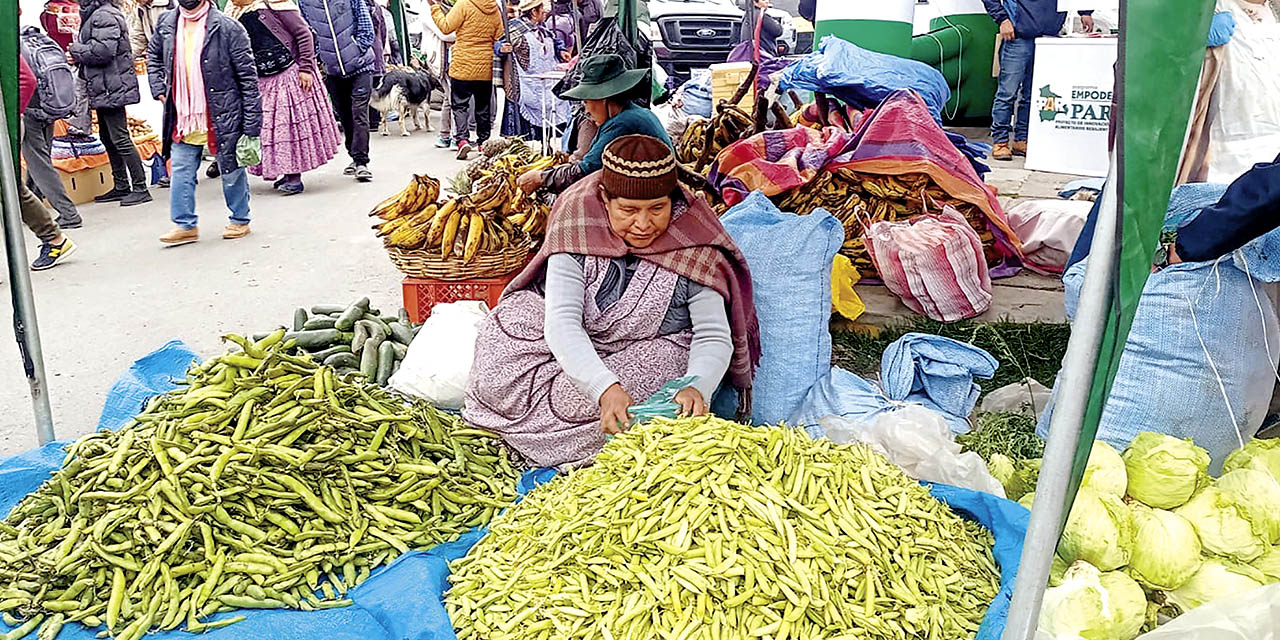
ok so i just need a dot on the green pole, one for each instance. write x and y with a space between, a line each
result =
402 29
9 62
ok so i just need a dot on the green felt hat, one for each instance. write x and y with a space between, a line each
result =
605 76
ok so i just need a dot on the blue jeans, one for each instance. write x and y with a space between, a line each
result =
1016 59
182 187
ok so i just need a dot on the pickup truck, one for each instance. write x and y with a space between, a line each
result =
695 34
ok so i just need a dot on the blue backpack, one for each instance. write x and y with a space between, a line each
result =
55 96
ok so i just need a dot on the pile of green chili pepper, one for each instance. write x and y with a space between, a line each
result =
265 481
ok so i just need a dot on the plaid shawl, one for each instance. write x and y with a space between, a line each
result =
695 246
775 161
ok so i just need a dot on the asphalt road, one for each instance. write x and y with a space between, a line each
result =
123 294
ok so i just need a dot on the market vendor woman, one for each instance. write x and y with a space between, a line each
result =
605 89
636 284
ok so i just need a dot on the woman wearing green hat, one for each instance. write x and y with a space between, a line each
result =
606 83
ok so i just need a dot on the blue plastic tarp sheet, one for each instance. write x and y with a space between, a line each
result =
151 375
864 78
938 373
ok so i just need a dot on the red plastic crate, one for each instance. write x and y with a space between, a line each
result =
423 294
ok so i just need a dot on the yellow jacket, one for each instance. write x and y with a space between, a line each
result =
478 26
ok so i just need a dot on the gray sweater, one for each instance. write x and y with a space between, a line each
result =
565 292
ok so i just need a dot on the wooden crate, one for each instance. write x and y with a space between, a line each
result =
725 80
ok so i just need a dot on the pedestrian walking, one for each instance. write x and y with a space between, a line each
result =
53 98
298 130
529 49
478 25
345 40
55 246
106 64
142 24
200 64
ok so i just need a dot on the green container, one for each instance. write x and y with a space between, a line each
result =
878 25
961 46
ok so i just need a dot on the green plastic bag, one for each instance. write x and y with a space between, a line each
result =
249 151
661 404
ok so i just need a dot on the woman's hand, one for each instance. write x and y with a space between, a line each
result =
691 402
614 403
1006 30
531 181
305 80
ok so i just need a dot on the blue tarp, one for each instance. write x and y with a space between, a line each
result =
864 78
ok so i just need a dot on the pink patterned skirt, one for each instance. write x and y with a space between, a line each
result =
298 129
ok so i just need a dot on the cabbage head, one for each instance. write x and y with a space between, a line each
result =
1164 472
1227 526
1002 468
1260 491
1166 551
1262 454
1268 564
1105 472
1057 569
1028 500
1100 531
1216 579
1093 605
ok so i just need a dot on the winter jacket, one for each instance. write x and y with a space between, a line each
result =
142 23
291 30
478 26
344 35
230 82
104 57
1031 18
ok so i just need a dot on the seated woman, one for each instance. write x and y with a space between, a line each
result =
636 284
605 87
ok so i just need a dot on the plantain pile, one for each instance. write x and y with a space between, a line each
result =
493 214
704 139
266 481
860 199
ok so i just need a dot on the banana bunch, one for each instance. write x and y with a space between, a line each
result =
861 199
421 191
705 139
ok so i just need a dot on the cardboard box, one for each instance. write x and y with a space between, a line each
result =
725 80
86 184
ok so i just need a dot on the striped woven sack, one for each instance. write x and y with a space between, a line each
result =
934 263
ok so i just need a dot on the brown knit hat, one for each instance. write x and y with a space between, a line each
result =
639 167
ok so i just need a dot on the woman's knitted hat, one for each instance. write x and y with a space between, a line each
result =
639 167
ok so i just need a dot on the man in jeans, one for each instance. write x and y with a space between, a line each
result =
345 39
1020 22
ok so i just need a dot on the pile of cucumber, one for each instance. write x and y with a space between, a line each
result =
353 338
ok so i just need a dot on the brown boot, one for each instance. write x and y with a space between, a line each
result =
180 236
235 231
1020 148
1001 151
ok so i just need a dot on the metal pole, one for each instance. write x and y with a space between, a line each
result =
24 305
1068 415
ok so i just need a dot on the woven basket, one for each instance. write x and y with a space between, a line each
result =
422 263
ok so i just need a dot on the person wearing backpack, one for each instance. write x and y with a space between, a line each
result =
105 59
55 246
54 98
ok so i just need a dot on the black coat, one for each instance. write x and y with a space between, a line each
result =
230 81
104 56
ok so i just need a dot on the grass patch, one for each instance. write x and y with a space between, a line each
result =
1023 350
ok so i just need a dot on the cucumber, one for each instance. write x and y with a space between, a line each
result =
352 313
327 309
401 350
342 360
369 360
386 360
403 317
361 334
347 337
401 332
321 356
319 322
299 319
377 330
314 340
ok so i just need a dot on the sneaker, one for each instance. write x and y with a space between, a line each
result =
1020 148
363 174
1001 151
137 197
114 195
350 170
163 183
70 223
444 143
51 255
235 231
180 236
464 150
214 170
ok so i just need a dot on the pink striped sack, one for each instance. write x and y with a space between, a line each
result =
934 263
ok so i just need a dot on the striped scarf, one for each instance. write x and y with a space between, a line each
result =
188 77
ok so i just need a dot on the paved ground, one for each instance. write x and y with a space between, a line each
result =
123 294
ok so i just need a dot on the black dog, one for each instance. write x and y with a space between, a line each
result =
404 91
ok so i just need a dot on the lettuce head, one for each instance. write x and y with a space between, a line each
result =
1216 579
1093 605
1100 531
1105 471
1260 491
1166 552
1227 526
1164 471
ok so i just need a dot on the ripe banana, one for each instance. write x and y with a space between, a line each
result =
475 229
450 233
436 230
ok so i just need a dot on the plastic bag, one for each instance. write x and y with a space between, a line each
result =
1251 616
934 263
248 151
844 299
660 404
918 440
864 78
1027 396
1049 230
438 364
